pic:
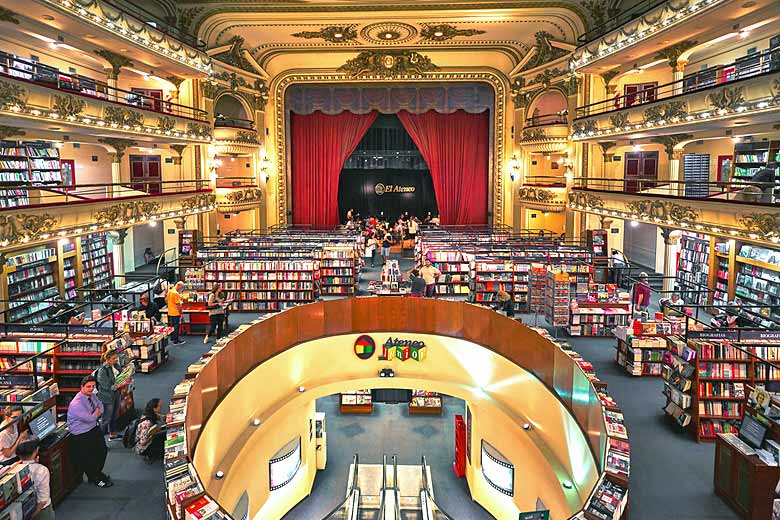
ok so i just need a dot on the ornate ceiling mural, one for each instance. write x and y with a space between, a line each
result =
388 33
333 34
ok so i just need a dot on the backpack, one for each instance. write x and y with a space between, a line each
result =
129 435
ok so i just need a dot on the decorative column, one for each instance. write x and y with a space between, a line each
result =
120 146
117 61
673 53
677 76
671 239
674 156
179 149
118 252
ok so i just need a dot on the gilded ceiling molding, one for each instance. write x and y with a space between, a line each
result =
532 194
240 199
533 134
609 76
6 15
12 95
387 33
763 223
68 106
119 214
166 124
119 145
117 61
235 55
546 77
600 10
203 199
210 89
495 79
389 64
544 51
443 32
588 127
673 52
581 199
21 227
198 129
669 212
333 34
234 80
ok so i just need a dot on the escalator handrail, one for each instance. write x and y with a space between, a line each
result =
427 490
353 488
396 490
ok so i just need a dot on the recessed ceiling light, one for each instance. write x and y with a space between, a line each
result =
55 128
89 36
438 34
122 50
48 17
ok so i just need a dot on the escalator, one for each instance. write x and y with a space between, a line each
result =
349 508
429 510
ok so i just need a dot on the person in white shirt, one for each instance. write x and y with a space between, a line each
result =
9 436
618 265
39 474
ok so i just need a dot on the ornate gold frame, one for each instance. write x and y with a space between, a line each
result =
497 80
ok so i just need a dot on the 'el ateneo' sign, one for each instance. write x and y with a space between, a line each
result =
381 189
393 348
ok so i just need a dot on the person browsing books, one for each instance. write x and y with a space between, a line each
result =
150 432
215 304
109 393
642 293
10 436
429 273
174 301
39 474
150 309
418 284
87 445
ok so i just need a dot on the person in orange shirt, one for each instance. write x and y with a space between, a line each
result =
174 301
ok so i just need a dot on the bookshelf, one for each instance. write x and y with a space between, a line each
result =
356 402
721 259
337 271
693 267
149 343
266 286
425 403
491 276
557 297
597 242
678 374
538 285
597 319
750 157
32 279
96 261
641 346
33 164
757 272
455 272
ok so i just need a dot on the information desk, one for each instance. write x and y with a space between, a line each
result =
744 482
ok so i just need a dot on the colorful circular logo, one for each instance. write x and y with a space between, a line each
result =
379 189
365 347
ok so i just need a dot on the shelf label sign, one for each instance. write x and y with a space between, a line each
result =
403 349
535 515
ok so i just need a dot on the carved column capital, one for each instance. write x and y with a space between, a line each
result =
121 235
180 222
671 236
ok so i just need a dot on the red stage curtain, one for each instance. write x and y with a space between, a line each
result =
455 146
319 147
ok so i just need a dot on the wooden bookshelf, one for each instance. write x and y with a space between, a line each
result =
96 261
557 298
694 267
490 277
455 270
338 274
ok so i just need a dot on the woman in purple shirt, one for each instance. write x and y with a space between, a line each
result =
88 447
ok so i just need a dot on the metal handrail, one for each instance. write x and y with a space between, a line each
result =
712 77
58 194
51 77
428 490
545 180
559 118
156 23
632 13
353 487
731 191
233 122
396 490
237 182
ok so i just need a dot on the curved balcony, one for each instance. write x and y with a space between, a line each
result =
235 137
66 211
234 200
123 23
35 95
548 197
550 137
748 88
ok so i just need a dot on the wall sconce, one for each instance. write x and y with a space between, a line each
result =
514 167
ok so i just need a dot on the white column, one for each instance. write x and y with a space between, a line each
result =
677 75
118 253
675 173
111 81
671 238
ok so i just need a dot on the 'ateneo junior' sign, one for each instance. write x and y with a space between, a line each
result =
381 189
403 349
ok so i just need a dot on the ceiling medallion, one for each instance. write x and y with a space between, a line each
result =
333 34
388 64
388 33
443 32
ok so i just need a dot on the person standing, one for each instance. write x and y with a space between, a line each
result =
413 227
88 447
430 273
618 265
150 436
150 309
371 247
174 301
39 474
641 293
215 304
159 293
9 435
109 393
387 241
418 284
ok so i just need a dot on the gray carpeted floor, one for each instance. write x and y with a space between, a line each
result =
671 475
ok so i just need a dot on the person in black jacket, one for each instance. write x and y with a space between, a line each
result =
505 303
150 308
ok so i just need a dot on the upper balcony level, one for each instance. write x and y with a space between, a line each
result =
653 26
742 92
34 95
118 25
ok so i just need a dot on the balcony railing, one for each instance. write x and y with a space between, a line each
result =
47 76
91 193
547 119
136 12
737 191
233 122
236 182
544 181
613 23
747 67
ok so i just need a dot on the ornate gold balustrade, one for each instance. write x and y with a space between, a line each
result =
28 225
235 140
552 199
231 200
545 139
728 219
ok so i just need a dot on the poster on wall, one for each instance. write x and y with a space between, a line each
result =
285 464
498 471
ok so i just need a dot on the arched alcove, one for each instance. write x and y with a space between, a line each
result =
549 107
231 111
